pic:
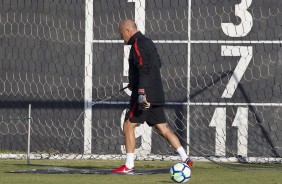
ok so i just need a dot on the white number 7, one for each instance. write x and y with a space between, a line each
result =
246 53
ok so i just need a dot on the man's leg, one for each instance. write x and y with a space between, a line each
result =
173 140
129 136
130 141
166 133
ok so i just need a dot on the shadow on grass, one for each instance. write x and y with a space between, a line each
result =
68 169
142 169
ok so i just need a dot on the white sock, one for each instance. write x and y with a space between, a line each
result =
129 163
182 153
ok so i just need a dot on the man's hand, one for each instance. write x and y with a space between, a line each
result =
129 87
143 104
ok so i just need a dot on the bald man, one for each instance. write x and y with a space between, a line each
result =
147 98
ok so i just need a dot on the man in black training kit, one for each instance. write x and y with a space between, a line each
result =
147 98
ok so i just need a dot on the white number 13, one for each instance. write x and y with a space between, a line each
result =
246 24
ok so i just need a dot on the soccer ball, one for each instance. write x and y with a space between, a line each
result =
180 172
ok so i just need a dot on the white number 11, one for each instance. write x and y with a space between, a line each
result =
240 121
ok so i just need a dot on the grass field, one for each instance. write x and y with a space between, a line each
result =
202 173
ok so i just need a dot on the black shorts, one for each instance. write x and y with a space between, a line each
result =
154 115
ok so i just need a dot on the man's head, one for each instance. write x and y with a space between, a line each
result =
127 29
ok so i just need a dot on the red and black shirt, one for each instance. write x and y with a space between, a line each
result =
144 69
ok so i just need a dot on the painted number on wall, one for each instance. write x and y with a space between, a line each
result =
246 54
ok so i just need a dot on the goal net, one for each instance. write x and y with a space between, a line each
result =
221 72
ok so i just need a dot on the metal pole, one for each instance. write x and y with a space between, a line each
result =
28 134
88 84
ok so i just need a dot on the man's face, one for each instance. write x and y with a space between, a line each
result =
124 34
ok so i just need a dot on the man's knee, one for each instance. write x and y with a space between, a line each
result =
128 126
162 129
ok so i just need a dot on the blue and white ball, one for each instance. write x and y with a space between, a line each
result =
180 172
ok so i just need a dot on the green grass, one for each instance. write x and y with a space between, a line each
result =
202 173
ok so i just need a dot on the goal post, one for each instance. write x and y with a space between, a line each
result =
221 72
88 64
